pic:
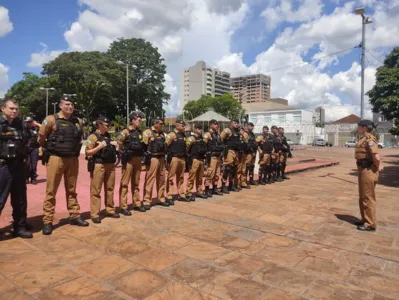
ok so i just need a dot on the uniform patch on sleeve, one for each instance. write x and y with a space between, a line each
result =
89 141
145 134
123 134
45 122
205 137
371 144
226 130
168 136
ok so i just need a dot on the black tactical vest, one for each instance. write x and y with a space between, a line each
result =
66 141
34 133
243 144
278 143
106 155
215 145
157 146
13 139
252 144
233 142
268 143
178 146
198 149
134 144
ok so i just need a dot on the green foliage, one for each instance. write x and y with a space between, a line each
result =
395 129
146 74
384 96
225 105
118 123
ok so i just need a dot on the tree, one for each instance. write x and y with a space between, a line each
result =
225 105
384 96
89 75
146 75
119 123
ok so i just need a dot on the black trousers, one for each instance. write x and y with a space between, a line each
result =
12 181
31 168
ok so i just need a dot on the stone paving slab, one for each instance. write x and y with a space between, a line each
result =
293 240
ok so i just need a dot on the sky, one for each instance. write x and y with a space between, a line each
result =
308 47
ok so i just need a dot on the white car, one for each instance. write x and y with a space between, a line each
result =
350 144
381 145
319 142
289 142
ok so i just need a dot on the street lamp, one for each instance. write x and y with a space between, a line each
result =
127 88
47 89
365 21
54 103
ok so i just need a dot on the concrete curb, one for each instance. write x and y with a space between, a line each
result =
312 168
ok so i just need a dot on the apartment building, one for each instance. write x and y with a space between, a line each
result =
201 79
251 88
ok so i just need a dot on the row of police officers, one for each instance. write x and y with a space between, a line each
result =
231 154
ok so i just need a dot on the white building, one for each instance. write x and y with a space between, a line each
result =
298 124
200 80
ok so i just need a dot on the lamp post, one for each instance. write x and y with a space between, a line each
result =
127 89
365 21
54 104
47 89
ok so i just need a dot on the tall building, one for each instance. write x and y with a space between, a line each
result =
251 88
320 115
201 79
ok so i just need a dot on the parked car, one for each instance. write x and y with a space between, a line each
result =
350 144
291 143
381 145
319 142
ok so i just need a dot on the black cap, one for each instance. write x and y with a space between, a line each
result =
235 120
264 127
66 98
274 127
198 126
104 119
251 124
213 121
180 122
136 114
366 123
280 128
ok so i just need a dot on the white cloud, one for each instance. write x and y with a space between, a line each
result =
3 79
5 23
39 58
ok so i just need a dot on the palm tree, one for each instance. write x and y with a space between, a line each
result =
119 123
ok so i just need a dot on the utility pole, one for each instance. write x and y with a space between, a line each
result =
47 89
365 21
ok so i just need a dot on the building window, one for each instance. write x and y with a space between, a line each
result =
297 118
281 118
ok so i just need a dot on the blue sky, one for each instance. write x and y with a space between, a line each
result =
227 34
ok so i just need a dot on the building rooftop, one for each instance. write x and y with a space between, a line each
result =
351 119
272 104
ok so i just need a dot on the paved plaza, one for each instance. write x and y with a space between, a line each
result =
290 240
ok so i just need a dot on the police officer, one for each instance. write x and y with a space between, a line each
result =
285 153
33 151
265 149
154 138
176 164
250 155
102 157
60 135
278 147
240 180
214 157
13 140
231 138
197 151
368 165
132 147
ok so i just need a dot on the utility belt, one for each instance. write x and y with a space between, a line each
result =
364 163
216 154
199 157
158 155
179 155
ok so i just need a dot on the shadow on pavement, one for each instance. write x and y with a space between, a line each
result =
347 218
388 177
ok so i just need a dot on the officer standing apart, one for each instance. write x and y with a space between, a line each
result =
132 147
102 160
278 147
368 166
197 150
60 135
285 153
250 155
13 139
33 151
240 180
154 138
231 138
214 158
176 164
265 148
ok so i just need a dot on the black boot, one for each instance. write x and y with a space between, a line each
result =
22 233
271 178
283 172
79 222
278 176
208 192
215 191
225 190
47 229
233 188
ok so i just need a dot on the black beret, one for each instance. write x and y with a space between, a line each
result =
264 127
136 114
180 122
280 128
104 119
213 121
251 124
366 123
67 98
274 127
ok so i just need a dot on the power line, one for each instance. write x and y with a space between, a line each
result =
287 66
369 52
